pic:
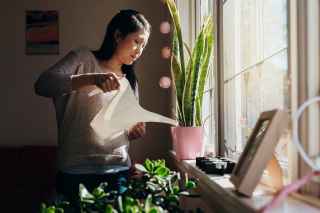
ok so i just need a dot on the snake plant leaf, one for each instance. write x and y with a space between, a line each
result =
198 112
203 72
208 30
191 84
177 26
175 45
177 76
189 67
187 48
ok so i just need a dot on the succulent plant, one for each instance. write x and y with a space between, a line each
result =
156 189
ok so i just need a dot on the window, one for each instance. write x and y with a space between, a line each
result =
262 65
266 66
255 68
204 9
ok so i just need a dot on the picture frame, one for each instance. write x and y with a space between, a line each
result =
42 32
258 150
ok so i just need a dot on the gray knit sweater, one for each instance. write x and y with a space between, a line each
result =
80 150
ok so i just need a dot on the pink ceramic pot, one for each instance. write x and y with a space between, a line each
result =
174 138
187 142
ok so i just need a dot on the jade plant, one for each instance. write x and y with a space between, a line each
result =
153 188
190 73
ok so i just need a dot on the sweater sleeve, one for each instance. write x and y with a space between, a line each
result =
56 81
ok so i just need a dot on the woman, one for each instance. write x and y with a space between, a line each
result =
82 156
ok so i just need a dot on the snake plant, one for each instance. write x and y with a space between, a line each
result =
189 76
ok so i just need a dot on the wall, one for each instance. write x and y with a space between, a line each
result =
27 119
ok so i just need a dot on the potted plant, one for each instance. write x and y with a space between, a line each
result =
154 188
189 78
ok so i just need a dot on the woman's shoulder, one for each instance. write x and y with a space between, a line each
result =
83 53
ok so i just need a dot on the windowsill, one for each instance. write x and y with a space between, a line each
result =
218 192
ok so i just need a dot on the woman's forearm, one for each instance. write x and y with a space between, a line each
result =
78 81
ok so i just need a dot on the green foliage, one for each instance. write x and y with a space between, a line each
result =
190 78
156 167
58 207
153 189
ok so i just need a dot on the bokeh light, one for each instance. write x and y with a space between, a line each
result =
166 52
165 27
165 82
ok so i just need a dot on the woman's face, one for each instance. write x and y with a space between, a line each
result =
130 47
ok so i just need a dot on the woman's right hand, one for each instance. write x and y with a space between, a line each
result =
105 81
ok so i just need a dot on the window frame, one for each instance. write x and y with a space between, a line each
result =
219 97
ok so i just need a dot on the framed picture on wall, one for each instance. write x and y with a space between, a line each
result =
42 32
258 150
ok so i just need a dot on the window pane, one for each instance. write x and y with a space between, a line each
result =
248 32
251 101
264 88
206 9
232 119
274 26
274 82
255 66
229 35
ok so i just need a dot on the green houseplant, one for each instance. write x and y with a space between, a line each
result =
153 188
189 78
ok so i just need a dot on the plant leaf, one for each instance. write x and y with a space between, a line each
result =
209 40
148 203
190 184
177 76
162 171
191 84
140 167
198 112
110 209
84 193
148 164
176 23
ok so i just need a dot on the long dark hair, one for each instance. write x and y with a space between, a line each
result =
126 22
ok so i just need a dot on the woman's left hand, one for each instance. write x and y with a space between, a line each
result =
137 131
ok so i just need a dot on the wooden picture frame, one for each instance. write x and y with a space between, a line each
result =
258 150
